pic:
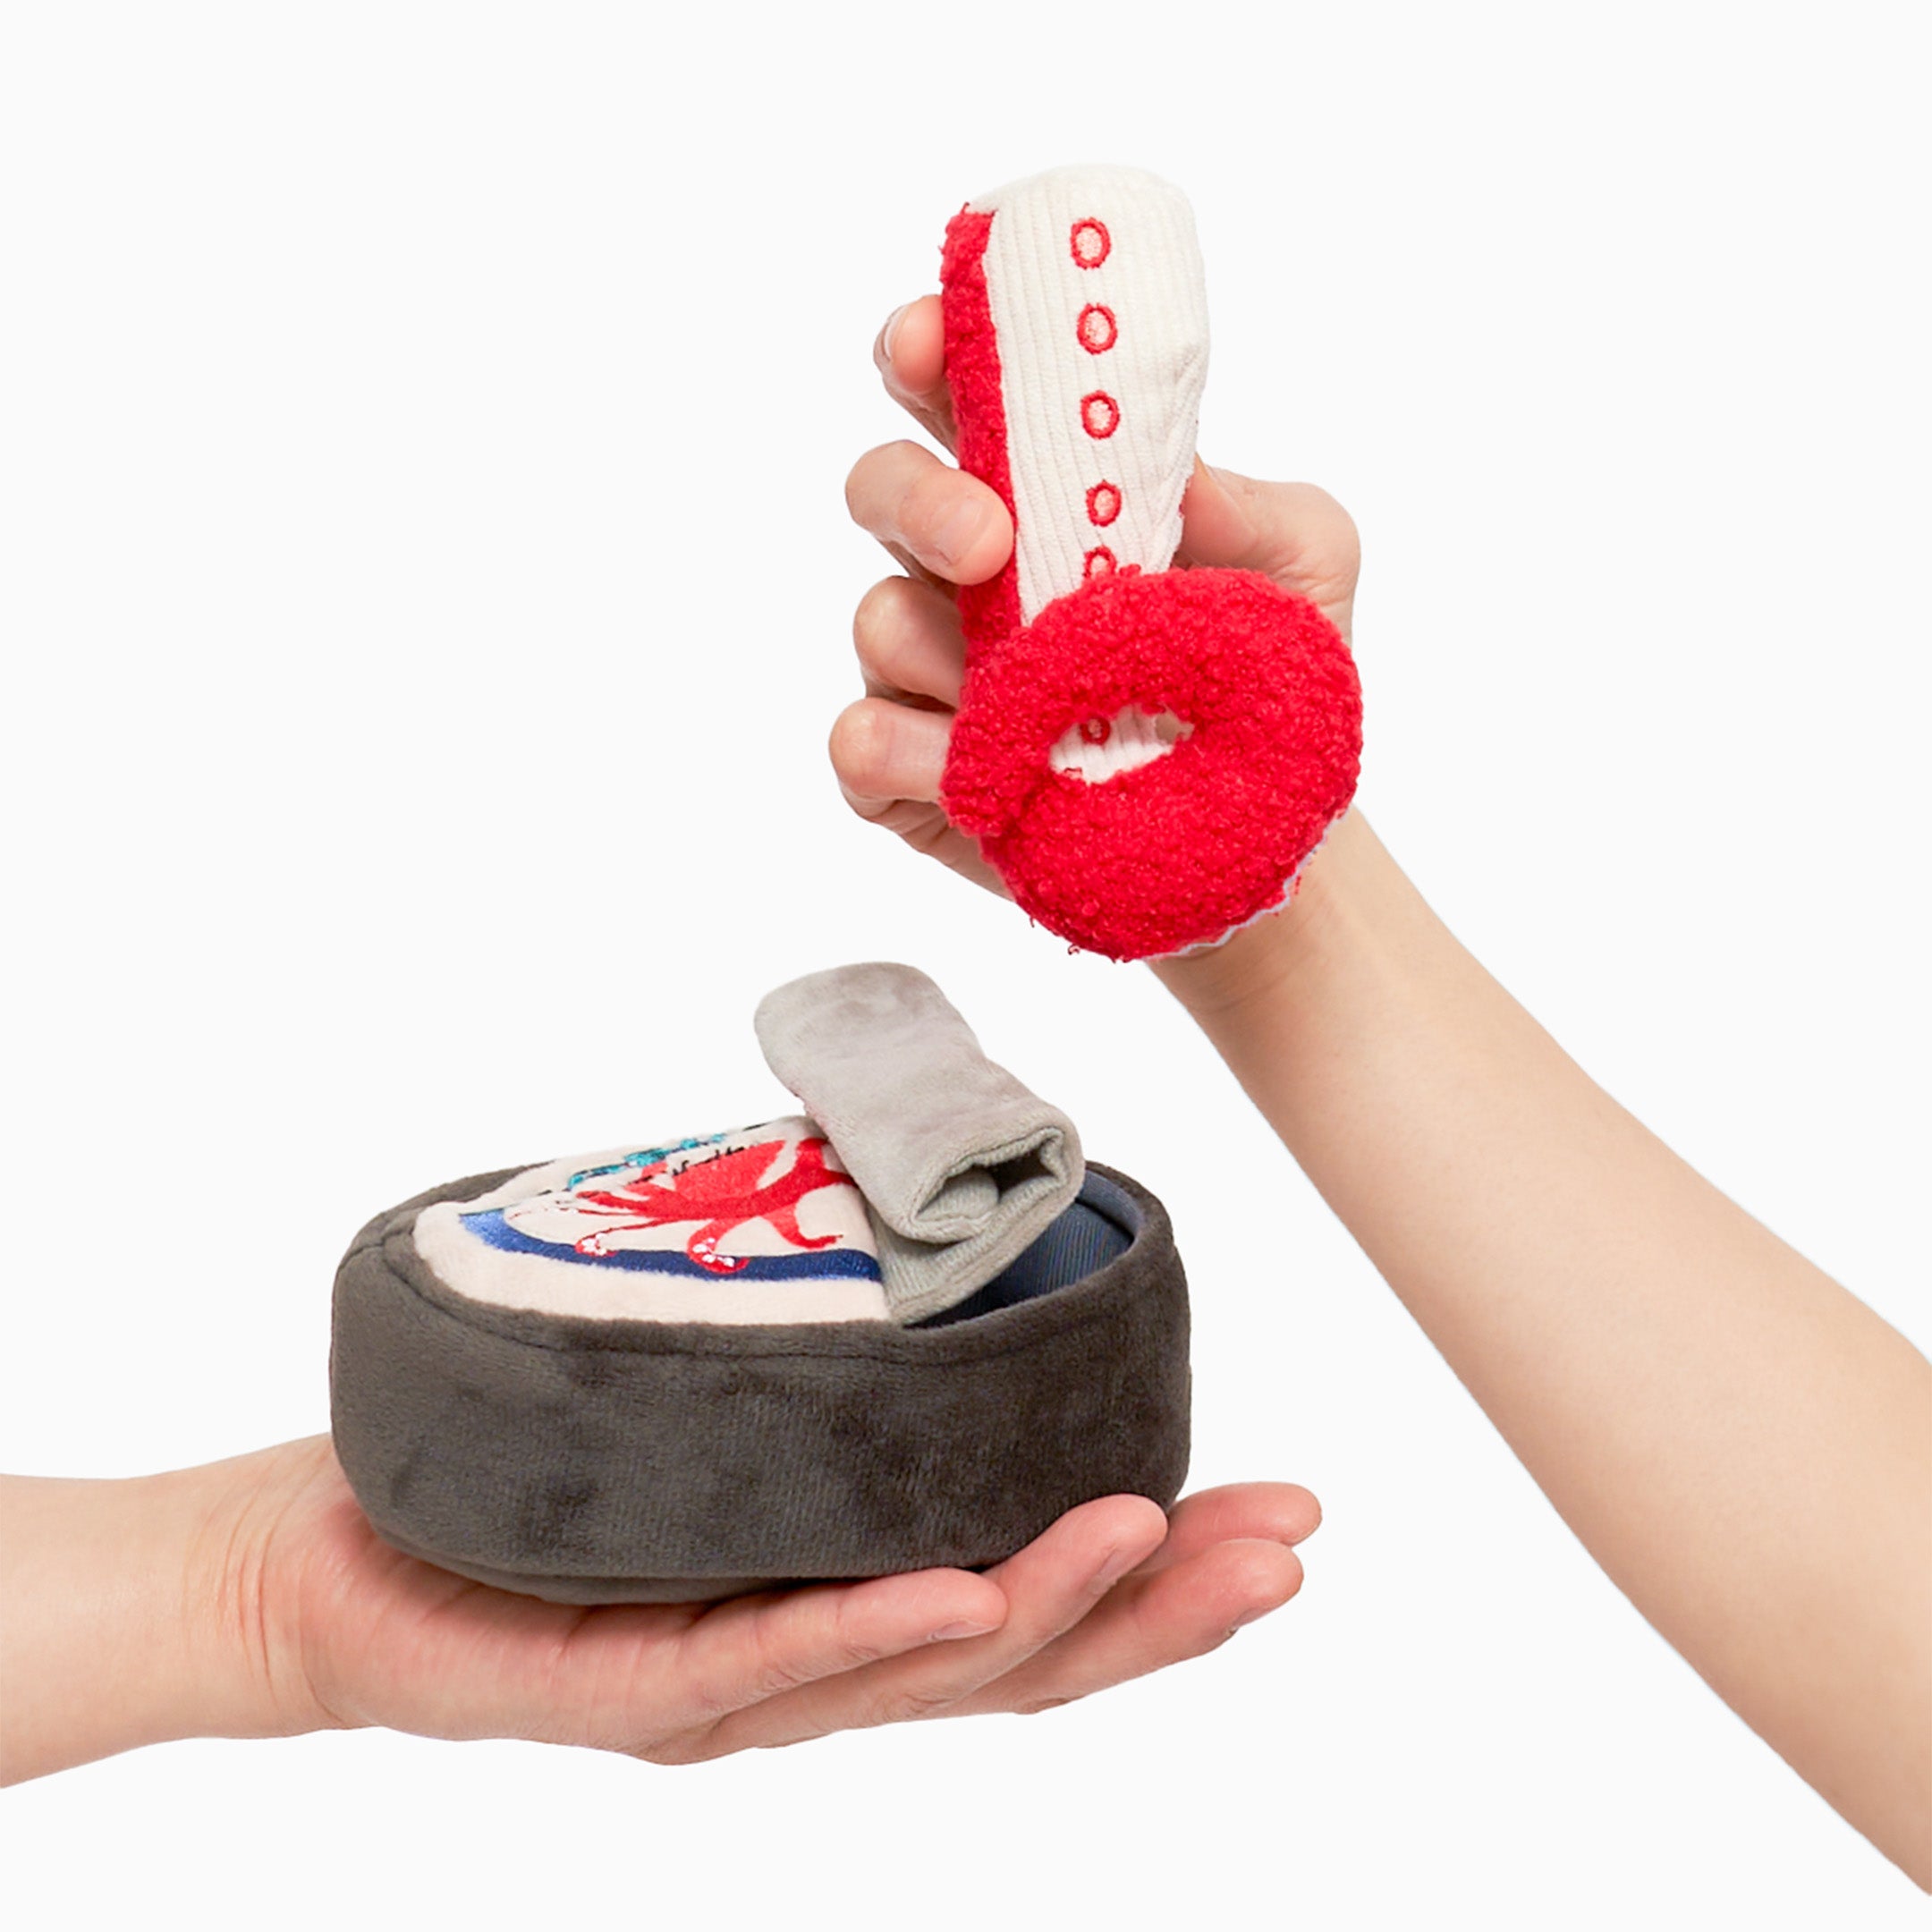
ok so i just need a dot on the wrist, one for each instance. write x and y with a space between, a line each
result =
1263 963
244 1520
135 1614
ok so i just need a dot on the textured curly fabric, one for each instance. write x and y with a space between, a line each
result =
1268 694
990 609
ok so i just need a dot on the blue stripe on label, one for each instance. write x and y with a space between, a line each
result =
846 1264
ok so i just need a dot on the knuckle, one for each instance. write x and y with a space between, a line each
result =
1347 536
911 1702
1039 1706
1340 536
856 744
784 1663
687 1747
851 1646
709 1703
929 498
863 480
776 1674
855 483
879 614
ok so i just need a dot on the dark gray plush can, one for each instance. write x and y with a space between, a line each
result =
601 1460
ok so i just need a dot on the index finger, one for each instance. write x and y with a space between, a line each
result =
732 1655
1050 1585
909 354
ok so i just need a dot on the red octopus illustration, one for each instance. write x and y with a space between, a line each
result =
723 1193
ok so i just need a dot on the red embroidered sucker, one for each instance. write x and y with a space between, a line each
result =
1103 504
1090 243
1097 328
1099 415
723 1194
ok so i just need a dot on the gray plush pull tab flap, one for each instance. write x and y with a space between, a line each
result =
961 1165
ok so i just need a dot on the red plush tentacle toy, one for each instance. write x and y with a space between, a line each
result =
1147 755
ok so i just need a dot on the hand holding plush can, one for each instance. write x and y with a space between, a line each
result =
1148 754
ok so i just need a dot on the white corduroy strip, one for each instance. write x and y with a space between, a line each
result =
1131 328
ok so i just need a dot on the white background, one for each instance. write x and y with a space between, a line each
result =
425 585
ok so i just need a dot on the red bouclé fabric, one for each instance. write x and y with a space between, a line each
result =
1178 852
972 366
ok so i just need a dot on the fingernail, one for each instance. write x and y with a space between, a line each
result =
1242 1622
1118 1564
953 1632
960 531
890 333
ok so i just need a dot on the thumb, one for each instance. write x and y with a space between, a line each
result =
1293 532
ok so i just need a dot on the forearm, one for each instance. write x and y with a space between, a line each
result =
128 1615
1744 1446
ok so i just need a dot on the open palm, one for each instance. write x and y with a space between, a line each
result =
353 1632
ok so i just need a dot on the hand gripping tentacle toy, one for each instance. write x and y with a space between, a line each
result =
1148 754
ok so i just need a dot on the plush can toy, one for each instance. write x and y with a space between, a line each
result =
910 1325
1148 754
